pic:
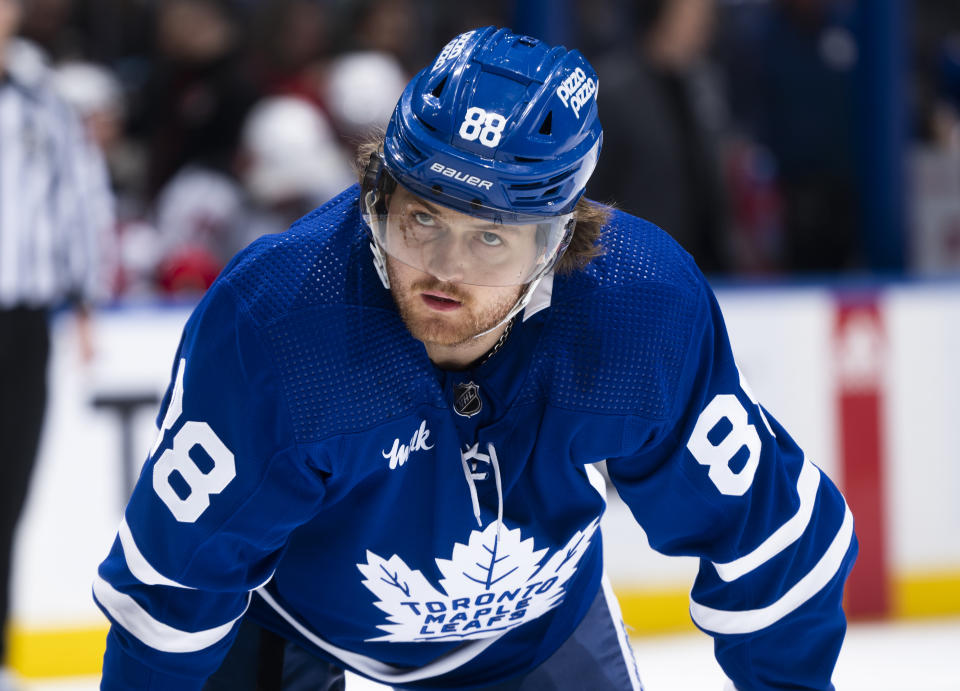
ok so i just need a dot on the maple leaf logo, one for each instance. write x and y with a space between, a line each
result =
493 583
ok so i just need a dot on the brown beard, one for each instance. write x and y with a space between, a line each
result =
446 329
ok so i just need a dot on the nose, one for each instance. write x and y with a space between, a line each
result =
443 260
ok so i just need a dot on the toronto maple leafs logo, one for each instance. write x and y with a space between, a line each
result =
495 582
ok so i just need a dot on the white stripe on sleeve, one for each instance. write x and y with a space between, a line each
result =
141 569
748 621
159 636
785 535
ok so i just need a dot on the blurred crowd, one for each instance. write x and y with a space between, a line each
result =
729 123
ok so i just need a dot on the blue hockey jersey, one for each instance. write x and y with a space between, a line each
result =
311 472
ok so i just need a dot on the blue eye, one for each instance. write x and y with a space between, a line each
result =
490 239
423 218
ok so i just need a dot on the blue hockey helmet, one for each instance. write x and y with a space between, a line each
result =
500 121
499 126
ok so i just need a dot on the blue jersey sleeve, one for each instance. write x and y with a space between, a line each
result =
723 481
223 487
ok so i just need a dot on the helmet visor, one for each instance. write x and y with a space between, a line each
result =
484 249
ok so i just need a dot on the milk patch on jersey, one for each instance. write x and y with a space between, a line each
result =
399 453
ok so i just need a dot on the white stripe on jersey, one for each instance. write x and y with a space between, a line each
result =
159 636
138 565
748 621
381 671
626 650
785 535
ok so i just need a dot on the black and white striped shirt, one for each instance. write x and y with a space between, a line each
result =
55 201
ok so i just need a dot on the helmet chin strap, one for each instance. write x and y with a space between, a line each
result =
380 263
379 256
520 304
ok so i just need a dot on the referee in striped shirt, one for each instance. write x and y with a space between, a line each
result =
55 207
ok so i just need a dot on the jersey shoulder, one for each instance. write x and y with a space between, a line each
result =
314 264
636 253
343 356
618 333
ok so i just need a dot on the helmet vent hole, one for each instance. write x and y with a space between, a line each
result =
410 155
436 189
552 191
425 123
438 89
546 127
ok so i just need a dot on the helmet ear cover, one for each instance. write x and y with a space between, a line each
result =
375 188
378 180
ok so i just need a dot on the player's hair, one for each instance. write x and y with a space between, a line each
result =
590 216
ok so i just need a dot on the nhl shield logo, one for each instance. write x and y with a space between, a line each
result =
466 399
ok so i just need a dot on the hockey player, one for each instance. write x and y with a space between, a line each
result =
386 465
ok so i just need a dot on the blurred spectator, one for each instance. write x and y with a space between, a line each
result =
453 18
602 24
935 74
94 93
289 162
662 105
116 33
45 23
290 43
792 85
756 207
96 96
944 114
53 204
193 105
396 27
360 91
196 213
935 156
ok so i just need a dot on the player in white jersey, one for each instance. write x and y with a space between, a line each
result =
386 466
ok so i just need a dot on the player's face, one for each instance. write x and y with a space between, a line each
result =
455 247
436 303
446 313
